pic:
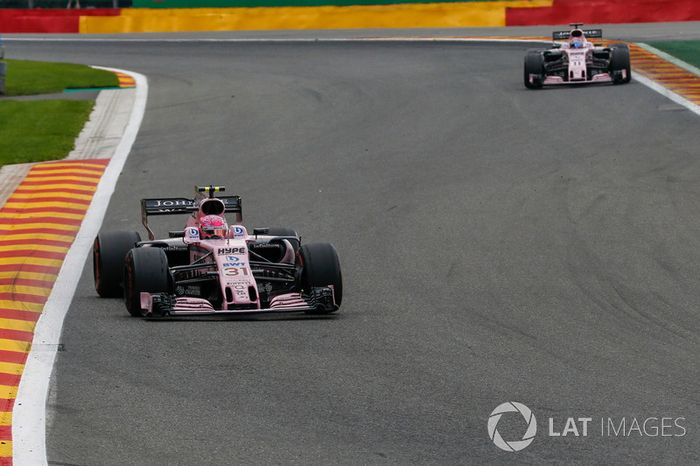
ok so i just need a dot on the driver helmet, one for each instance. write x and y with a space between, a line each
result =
213 227
577 39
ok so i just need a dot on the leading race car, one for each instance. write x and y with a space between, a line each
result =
214 268
577 61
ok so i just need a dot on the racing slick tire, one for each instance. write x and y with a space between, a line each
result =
279 231
108 252
321 267
145 269
620 61
534 65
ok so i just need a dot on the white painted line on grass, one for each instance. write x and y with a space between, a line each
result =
669 94
670 58
29 413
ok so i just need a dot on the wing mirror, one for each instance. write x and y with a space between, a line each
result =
191 235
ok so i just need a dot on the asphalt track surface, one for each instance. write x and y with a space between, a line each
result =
497 244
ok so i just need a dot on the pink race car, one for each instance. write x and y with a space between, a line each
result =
577 61
212 267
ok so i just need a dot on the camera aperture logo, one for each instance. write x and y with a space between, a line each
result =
513 445
578 426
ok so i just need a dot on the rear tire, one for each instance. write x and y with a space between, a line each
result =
145 270
108 252
279 231
620 61
534 65
321 267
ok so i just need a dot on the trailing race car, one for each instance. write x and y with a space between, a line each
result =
577 61
214 268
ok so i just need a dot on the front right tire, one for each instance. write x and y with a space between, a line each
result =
108 252
145 270
534 65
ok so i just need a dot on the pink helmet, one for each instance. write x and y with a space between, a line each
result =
213 227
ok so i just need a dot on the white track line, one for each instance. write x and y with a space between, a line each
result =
670 58
669 94
29 413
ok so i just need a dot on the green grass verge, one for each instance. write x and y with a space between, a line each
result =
35 131
686 50
31 77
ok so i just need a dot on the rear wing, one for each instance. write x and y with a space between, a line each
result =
181 205
588 34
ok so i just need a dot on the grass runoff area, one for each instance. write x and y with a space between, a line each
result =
39 130
35 131
33 77
686 50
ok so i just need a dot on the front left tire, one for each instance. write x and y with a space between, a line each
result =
619 62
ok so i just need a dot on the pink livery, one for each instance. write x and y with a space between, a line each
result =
577 61
213 267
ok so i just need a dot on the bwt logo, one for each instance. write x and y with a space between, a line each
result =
512 407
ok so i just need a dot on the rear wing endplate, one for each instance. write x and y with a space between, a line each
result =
588 33
181 205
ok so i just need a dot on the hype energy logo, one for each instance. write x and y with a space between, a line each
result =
575 426
495 418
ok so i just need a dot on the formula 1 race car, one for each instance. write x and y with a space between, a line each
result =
212 268
577 61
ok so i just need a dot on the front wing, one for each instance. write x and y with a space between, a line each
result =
598 78
318 300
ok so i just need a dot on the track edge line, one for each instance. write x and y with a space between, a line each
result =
29 412
670 58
